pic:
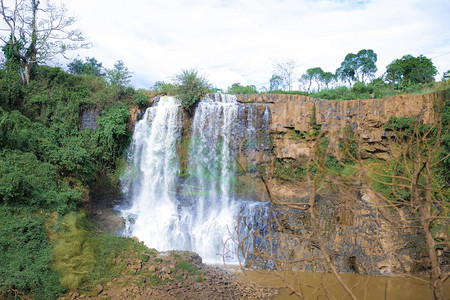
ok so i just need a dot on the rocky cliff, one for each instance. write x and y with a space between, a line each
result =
359 231
293 113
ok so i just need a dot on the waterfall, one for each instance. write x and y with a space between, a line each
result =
199 211
150 181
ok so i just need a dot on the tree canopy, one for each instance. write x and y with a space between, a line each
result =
276 83
410 70
90 67
119 75
358 66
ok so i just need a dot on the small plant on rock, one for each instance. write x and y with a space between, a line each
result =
191 87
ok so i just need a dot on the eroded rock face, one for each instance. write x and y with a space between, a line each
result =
367 117
357 232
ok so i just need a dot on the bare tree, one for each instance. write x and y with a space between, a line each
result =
36 32
415 186
286 70
280 246
412 186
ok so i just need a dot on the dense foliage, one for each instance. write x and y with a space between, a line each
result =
411 70
26 256
90 67
48 165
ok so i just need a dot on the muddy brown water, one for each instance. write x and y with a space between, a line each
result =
313 285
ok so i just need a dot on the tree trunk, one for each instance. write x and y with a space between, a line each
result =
426 219
26 74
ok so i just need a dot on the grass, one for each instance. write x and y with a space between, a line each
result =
143 257
184 265
85 258
154 280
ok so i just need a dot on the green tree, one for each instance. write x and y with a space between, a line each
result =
37 32
237 88
276 83
191 87
327 78
411 70
316 74
346 72
90 67
111 137
312 74
119 75
366 64
164 88
358 66
446 75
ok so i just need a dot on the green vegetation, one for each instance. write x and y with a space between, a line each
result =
276 83
411 70
162 88
140 98
355 78
36 37
289 170
49 164
237 88
377 88
26 255
184 265
358 66
85 258
90 67
191 87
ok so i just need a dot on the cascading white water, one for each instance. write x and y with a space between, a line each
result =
212 217
150 182
199 212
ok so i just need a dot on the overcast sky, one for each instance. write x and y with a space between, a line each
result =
232 41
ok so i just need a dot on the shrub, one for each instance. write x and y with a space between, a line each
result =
191 87
112 136
140 99
25 255
237 88
162 88
26 181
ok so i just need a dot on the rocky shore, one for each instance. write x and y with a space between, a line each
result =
148 274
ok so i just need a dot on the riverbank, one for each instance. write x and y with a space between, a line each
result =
148 274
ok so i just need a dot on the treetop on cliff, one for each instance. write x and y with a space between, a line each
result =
410 69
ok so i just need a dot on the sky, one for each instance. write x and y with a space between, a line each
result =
239 41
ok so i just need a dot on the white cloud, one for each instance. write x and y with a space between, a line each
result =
237 40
